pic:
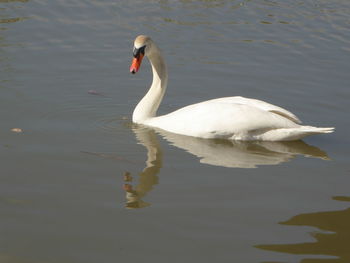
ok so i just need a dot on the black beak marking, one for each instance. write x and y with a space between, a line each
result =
138 51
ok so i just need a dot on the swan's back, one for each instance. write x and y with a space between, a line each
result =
258 104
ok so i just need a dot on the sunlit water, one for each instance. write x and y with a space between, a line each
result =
80 183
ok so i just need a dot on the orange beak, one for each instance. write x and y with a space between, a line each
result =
136 63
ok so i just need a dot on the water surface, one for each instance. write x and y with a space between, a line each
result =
80 183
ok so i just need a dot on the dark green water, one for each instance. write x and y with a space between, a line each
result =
80 183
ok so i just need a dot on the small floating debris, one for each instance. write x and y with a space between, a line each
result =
95 92
16 130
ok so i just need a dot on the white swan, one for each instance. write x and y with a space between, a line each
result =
233 118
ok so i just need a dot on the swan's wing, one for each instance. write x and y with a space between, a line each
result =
220 119
259 104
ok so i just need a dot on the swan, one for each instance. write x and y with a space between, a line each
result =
232 118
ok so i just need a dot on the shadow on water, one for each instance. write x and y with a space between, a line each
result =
214 152
335 242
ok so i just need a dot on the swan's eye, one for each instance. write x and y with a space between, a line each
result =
138 51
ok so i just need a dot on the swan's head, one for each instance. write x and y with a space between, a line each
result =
142 46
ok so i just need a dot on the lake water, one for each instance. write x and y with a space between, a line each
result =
81 184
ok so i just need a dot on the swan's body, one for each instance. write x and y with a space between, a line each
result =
233 118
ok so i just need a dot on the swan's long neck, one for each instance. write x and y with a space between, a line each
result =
148 106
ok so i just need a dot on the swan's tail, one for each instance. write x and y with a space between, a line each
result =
315 130
303 131
292 134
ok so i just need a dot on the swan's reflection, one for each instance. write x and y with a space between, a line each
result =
148 177
334 242
214 152
240 154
